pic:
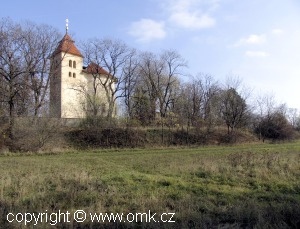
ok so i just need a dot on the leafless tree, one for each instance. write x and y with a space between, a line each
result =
12 68
174 65
197 102
131 77
292 116
184 104
147 88
265 106
24 65
235 107
110 58
39 43
209 101
160 79
142 106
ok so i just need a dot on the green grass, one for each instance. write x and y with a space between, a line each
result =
250 185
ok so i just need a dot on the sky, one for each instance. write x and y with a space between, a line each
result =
257 41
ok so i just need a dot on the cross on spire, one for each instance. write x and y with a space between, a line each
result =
67 25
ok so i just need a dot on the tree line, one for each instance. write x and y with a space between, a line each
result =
148 87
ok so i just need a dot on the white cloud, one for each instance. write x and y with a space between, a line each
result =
256 54
252 39
192 21
277 31
255 39
146 30
190 14
187 14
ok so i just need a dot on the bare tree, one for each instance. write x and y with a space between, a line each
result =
185 107
233 109
208 92
147 84
159 76
174 65
12 68
40 42
24 69
292 116
109 58
160 79
198 101
131 78
265 106
142 106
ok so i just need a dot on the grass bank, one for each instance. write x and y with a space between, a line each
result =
250 186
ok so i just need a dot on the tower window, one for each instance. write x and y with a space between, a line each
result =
70 74
74 64
74 75
70 63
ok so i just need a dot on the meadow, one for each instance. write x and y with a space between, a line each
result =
251 185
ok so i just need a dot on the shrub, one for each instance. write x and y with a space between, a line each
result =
182 137
107 137
97 122
275 127
31 134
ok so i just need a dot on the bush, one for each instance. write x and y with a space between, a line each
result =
97 122
275 127
32 134
107 137
182 137
230 138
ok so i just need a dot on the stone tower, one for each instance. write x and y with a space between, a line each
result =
66 75
72 85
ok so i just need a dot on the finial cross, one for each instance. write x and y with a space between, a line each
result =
67 25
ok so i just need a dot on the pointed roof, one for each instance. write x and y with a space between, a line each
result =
67 45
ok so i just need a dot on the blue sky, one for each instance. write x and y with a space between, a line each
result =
257 40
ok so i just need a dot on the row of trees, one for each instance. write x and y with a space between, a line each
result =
149 87
150 91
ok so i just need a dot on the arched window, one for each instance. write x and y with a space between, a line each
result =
74 75
74 64
70 63
70 74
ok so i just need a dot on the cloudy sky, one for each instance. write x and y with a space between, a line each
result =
257 40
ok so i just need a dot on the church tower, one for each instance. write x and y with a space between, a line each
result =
72 85
66 77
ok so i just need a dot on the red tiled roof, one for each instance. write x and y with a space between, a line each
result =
67 45
94 68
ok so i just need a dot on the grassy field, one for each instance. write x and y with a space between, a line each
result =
242 186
